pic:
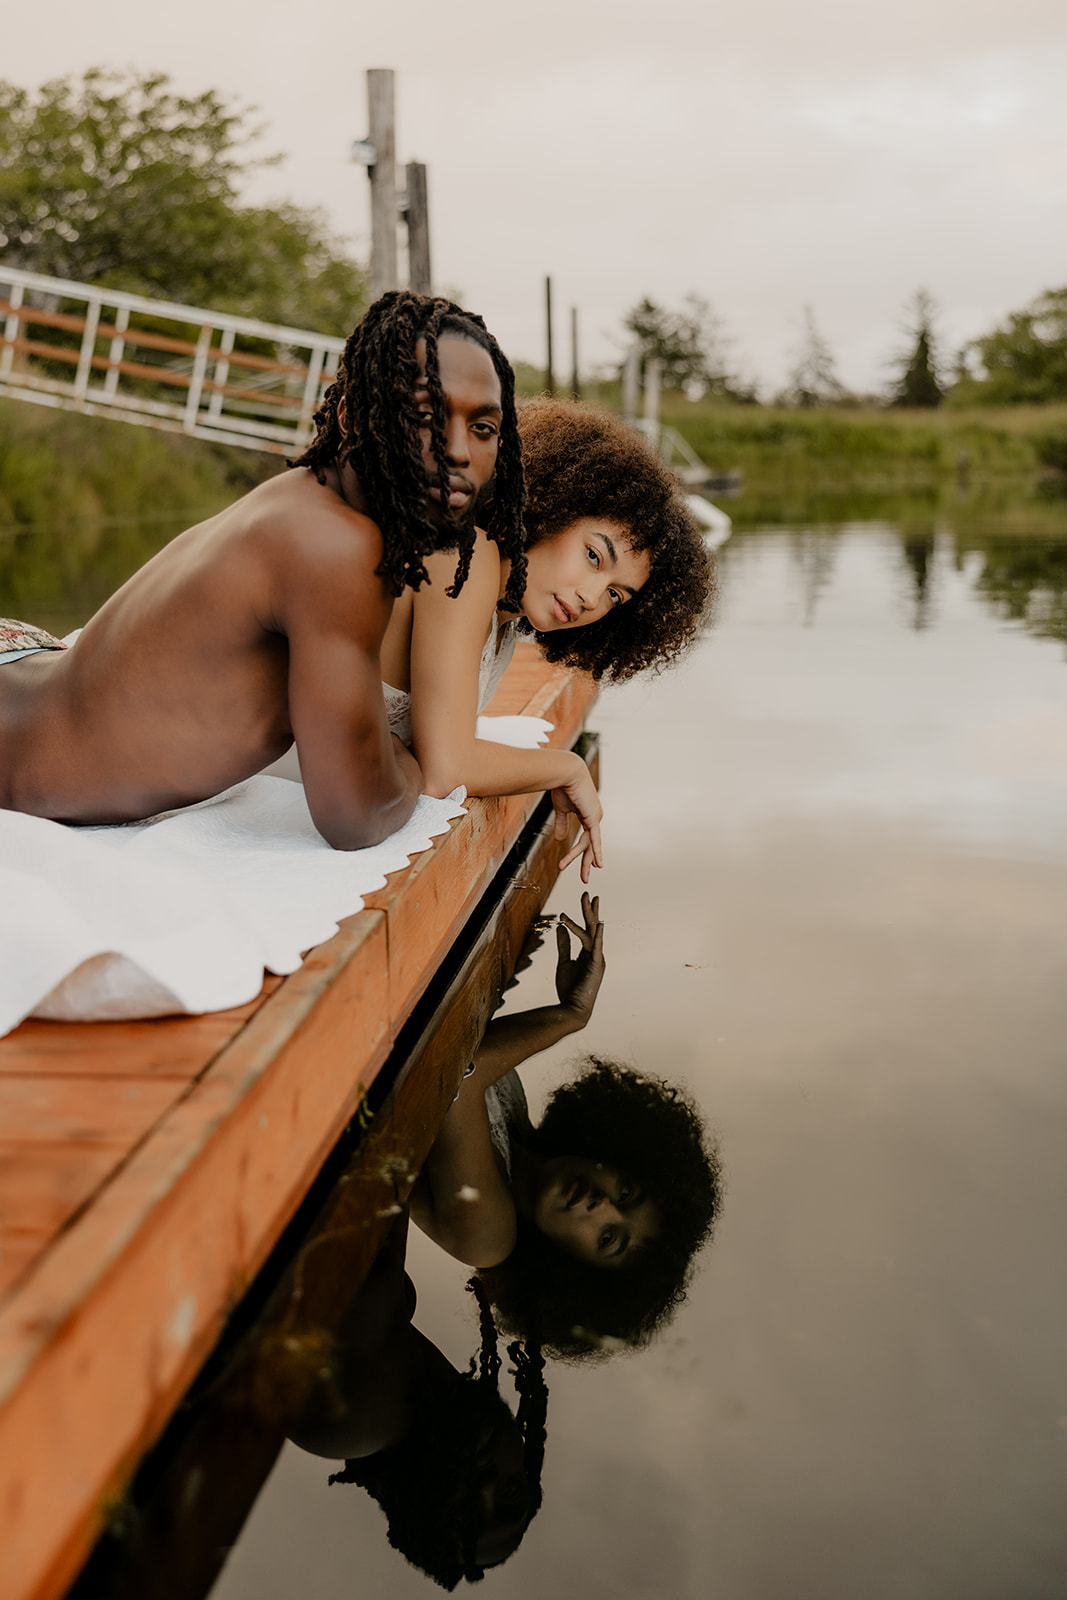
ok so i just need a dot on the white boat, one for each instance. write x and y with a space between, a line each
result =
713 520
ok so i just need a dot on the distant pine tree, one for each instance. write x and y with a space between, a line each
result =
813 380
690 346
917 383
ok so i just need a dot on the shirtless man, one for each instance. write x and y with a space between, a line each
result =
262 626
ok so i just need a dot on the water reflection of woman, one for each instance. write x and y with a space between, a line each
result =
583 1228
456 1473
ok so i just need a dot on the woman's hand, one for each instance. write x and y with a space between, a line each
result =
578 980
578 797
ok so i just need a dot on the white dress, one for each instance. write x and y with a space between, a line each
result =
509 1117
497 652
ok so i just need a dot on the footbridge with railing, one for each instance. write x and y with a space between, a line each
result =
235 380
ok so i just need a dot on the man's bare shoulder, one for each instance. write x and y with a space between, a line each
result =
307 521
318 557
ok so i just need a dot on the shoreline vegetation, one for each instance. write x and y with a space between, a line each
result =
84 501
88 498
855 460
59 467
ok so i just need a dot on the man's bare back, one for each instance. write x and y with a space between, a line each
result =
263 626
255 628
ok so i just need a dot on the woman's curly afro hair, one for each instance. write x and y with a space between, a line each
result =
650 1130
583 463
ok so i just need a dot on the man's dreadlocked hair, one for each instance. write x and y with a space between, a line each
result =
650 1130
429 1485
376 384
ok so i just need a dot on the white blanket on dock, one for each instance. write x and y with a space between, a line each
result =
184 913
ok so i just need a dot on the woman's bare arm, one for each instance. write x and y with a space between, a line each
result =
447 639
461 1199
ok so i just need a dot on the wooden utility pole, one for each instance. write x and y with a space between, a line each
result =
576 388
417 216
383 213
550 380
630 374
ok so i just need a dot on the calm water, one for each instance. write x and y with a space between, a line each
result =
835 907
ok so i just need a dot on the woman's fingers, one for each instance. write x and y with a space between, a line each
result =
573 853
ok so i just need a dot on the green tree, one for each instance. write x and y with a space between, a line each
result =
116 179
813 380
690 345
1024 360
917 382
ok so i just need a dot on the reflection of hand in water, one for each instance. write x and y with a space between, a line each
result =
578 980
457 1475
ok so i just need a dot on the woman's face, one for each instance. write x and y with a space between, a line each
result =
594 1211
581 574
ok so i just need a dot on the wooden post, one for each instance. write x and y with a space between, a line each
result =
382 181
630 373
576 388
550 381
653 369
418 221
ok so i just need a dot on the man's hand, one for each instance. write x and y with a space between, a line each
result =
578 797
578 980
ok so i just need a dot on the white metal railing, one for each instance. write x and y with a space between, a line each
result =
181 368
672 448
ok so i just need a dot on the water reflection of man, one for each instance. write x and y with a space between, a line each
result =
456 1473
583 1228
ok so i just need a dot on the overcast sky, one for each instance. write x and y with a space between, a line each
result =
764 153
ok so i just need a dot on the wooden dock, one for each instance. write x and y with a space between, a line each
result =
147 1169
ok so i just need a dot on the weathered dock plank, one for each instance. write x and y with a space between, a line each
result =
121 1280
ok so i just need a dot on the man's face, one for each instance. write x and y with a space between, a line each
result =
472 421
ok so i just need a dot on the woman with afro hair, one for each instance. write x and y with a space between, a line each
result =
584 1227
613 579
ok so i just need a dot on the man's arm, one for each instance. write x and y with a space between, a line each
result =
360 781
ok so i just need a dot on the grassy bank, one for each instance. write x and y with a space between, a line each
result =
854 461
85 500
866 444
57 465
